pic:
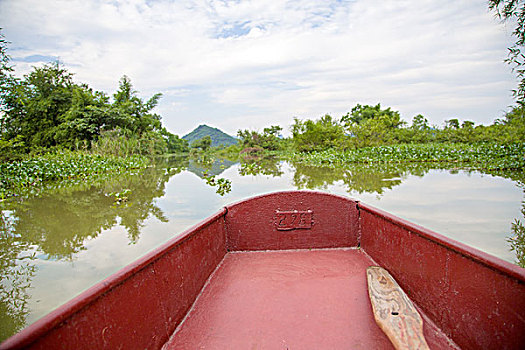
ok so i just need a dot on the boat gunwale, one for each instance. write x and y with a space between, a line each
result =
36 330
493 262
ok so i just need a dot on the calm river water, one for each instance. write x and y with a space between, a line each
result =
61 242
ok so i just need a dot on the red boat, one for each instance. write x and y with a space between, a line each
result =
288 270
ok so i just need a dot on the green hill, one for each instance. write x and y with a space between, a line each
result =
217 137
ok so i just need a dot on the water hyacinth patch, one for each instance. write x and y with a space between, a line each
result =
20 177
489 156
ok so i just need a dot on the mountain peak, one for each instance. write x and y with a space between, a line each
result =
217 136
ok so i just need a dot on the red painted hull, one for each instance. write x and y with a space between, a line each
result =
287 270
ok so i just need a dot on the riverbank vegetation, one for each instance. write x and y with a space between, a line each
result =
370 134
53 128
46 109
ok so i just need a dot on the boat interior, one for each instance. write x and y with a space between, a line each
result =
303 299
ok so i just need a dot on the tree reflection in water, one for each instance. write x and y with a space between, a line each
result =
60 221
360 178
517 238
270 166
16 272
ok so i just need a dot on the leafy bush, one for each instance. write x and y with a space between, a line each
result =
269 139
318 135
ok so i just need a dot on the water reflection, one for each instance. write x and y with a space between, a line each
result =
16 273
59 222
271 166
517 237
358 178
208 166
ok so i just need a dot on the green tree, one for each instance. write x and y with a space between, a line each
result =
36 106
463 132
132 112
6 76
360 114
467 133
201 145
371 125
452 124
514 11
46 108
132 117
269 139
419 132
513 125
10 148
419 122
174 143
324 133
88 114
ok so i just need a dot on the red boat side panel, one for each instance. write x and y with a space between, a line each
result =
476 299
292 220
141 305
287 300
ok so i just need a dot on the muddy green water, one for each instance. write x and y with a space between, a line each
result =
56 245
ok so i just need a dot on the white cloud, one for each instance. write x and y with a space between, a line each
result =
253 63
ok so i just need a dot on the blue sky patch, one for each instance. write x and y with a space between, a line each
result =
234 30
35 59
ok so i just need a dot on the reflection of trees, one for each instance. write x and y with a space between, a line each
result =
16 272
141 204
207 167
172 161
517 240
377 177
362 178
312 177
59 221
373 178
261 166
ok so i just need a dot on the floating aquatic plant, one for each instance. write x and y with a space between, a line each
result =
489 156
28 175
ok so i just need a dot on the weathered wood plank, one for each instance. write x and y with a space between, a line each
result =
393 311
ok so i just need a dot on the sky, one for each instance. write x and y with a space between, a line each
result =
236 64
